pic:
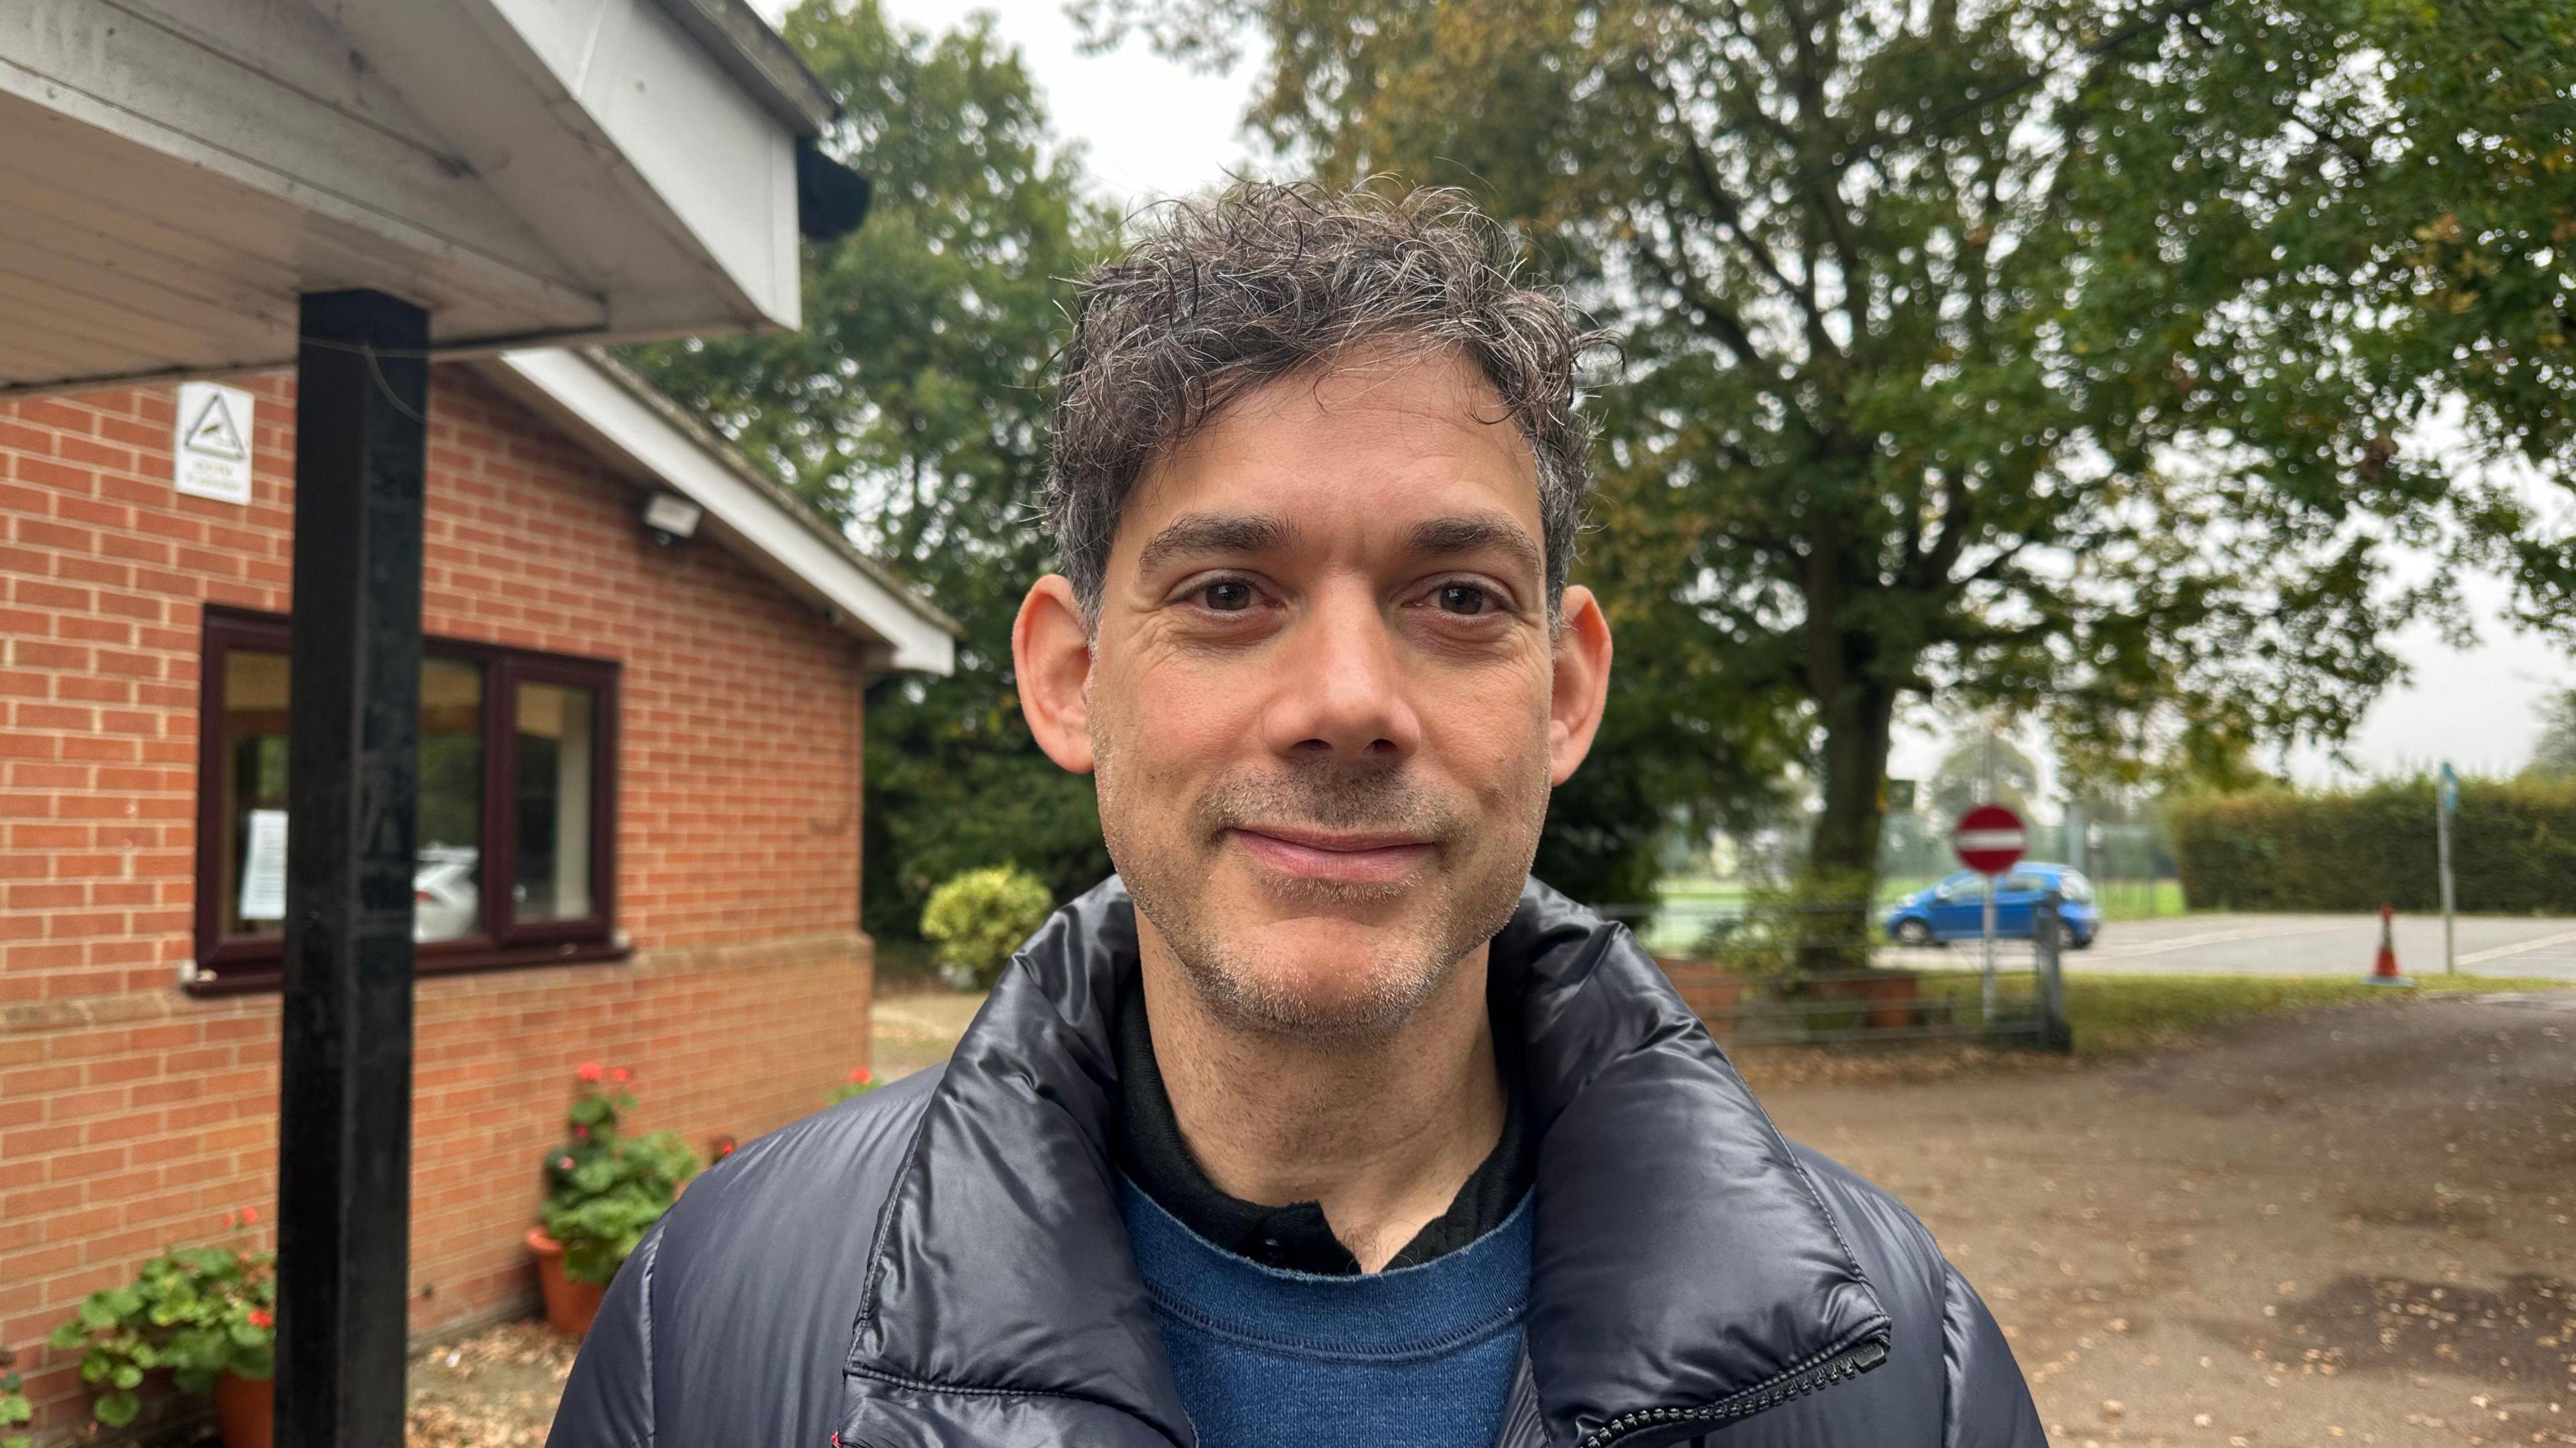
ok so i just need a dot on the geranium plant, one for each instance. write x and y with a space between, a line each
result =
605 1189
201 1312
861 1082
15 1410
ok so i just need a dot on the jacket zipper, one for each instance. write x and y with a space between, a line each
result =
1796 1383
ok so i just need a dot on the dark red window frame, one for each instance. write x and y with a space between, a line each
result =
239 962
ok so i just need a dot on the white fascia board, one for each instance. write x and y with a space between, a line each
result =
611 411
708 153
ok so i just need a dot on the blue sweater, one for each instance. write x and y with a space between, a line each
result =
1420 1357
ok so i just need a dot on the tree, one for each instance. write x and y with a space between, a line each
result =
2047 355
2554 753
912 408
1959 781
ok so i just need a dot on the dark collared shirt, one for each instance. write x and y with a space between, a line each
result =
1296 1237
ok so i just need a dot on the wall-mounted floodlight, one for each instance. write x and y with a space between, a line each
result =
671 519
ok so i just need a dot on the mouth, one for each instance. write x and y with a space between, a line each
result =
1341 857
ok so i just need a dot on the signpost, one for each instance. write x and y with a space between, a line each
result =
1989 839
2450 805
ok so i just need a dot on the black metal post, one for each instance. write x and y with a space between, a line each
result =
2048 946
344 1080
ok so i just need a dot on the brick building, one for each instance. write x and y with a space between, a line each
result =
639 815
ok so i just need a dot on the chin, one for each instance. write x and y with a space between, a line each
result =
1321 975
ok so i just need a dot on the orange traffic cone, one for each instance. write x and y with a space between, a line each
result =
2383 971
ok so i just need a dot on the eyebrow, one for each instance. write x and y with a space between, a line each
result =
1215 533
1475 533
1254 533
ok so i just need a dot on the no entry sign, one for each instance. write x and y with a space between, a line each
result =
1989 839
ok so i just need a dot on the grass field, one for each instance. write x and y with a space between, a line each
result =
1685 906
2118 1015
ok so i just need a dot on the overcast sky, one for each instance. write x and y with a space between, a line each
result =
1151 128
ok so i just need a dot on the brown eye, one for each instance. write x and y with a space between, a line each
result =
1233 595
1463 598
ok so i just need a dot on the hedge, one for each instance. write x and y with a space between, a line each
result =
2513 848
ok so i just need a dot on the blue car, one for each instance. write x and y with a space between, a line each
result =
1955 908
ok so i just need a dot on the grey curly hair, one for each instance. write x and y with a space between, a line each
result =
1263 279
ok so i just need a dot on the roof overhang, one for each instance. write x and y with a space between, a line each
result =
175 173
650 439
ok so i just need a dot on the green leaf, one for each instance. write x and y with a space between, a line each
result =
116 1409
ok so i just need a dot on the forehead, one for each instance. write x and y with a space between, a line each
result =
1369 444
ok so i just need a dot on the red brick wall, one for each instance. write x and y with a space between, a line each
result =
133 1115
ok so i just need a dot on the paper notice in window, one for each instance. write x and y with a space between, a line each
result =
263 876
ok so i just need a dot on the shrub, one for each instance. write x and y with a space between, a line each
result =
1818 924
979 918
604 1189
201 1312
2513 848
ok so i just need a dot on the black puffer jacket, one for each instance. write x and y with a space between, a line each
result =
942 1263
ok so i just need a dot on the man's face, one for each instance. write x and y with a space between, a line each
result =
1323 693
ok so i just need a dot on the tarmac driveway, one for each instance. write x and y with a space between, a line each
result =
2327 945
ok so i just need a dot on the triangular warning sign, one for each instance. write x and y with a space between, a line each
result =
214 434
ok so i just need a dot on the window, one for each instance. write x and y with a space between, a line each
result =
514 863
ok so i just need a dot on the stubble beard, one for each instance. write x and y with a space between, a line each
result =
1167 879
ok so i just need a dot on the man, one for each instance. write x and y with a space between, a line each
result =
1320 1123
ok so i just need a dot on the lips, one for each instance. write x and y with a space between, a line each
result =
1358 858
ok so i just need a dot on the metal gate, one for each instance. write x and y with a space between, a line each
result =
1786 974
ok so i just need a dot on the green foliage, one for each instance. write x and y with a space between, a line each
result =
1815 923
199 1312
1959 781
2554 753
980 918
605 1189
2513 848
2049 355
15 1410
911 407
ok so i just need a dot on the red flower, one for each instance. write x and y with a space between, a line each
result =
861 1076
617 1074
249 1215
582 1131
565 1162
590 1071
259 1317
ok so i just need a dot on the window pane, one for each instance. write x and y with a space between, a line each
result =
251 876
447 873
555 767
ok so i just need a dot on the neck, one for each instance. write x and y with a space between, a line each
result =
1380 1130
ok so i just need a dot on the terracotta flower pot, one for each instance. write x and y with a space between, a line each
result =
570 1305
1713 993
1892 997
245 1410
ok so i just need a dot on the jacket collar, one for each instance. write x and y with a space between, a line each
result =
1683 1256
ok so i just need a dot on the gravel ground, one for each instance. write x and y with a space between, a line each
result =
2341 1225
496 1389
2336 1226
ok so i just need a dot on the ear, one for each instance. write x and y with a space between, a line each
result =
1582 684
1051 654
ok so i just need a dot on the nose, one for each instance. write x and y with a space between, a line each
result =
1340 690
